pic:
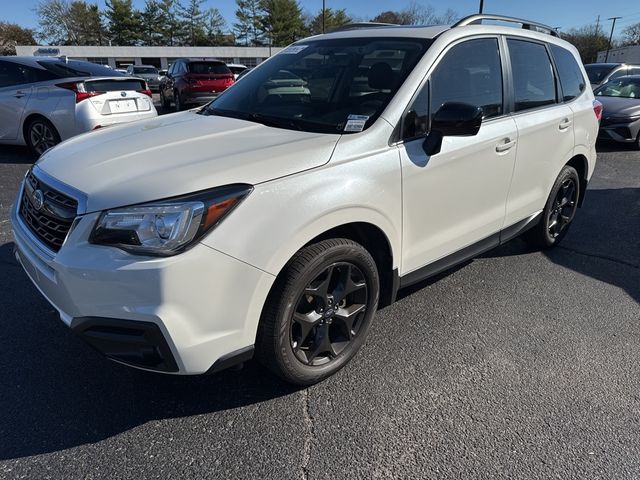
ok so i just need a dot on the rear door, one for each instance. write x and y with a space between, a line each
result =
545 127
14 95
456 198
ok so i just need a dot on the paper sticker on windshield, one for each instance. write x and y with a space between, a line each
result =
355 123
293 49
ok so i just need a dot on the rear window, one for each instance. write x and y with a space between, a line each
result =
62 69
571 79
113 85
208 67
151 70
597 73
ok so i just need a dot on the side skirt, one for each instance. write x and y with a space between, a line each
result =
466 253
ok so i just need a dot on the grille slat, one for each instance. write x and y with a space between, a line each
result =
48 226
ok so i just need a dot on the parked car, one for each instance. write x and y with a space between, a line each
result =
148 73
194 82
278 224
601 73
243 73
45 100
620 99
236 69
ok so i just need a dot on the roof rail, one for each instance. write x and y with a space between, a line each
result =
526 24
360 25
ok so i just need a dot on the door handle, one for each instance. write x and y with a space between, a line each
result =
566 123
19 94
507 144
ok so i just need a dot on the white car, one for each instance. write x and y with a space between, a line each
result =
236 69
278 224
44 100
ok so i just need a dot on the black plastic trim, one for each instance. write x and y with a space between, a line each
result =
134 343
232 359
519 227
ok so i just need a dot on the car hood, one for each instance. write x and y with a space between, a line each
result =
620 107
179 154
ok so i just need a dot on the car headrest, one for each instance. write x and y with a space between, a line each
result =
381 76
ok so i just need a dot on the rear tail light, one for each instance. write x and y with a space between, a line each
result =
79 89
597 109
146 91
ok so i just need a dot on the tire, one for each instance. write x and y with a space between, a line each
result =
178 101
306 335
559 211
636 145
40 135
164 101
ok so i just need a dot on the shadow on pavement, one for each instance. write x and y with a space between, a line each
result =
57 393
16 154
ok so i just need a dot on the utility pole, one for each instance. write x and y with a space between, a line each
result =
598 26
323 10
613 25
481 6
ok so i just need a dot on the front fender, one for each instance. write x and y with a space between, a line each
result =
281 216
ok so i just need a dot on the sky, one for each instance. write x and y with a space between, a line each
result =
557 13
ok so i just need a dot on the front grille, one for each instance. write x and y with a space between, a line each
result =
51 220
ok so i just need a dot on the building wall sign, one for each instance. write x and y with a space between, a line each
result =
47 52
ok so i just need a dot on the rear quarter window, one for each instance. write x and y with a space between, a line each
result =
571 79
533 78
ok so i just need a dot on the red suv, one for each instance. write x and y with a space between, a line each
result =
190 82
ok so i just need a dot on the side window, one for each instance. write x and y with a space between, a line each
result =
533 80
470 72
634 70
12 74
571 79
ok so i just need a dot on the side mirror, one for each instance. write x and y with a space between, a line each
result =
452 120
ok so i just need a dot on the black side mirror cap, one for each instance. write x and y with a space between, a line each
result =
452 119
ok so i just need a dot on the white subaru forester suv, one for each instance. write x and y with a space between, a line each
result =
276 220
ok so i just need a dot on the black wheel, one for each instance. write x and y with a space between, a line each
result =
41 135
319 311
164 101
636 145
178 101
558 212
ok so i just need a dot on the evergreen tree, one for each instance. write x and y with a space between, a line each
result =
332 19
170 22
248 22
193 22
152 23
215 24
282 21
124 22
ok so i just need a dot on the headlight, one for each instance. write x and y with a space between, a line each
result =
167 227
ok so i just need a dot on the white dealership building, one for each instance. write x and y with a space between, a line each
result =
161 57
628 54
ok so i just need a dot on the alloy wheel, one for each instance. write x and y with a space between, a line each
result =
42 137
563 208
329 314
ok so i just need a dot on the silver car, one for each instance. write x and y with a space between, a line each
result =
149 73
44 100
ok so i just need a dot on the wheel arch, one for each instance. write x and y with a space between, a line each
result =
581 164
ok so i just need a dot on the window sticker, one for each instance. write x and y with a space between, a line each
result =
294 49
355 123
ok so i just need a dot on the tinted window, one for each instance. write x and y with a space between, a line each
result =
533 80
149 70
628 87
62 69
571 79
634 71
470 73
18 74
334 85
113 85
209 67
415 121
596 73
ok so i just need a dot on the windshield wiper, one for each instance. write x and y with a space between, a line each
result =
269 121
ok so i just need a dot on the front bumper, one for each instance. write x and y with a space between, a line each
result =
186 312
623 132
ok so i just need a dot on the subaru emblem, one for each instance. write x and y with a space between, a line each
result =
123 94
38 199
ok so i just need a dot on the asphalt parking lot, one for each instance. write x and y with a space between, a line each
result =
520 364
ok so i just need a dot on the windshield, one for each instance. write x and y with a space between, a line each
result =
622 87
208 67
149 70
329 86
596 73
